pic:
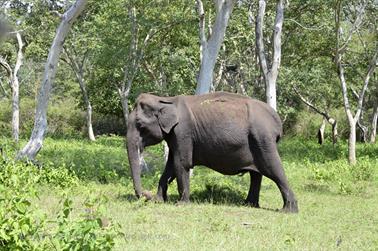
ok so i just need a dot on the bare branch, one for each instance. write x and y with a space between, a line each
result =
339 65
202 35
355 93
8 69
308 103
277 37
56 13
356 25
372 66
260 37
19 55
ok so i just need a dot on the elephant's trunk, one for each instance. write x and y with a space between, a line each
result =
133 151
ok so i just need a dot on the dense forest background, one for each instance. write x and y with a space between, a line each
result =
99 48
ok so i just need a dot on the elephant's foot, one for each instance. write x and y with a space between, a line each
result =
250 203
182 202
290 207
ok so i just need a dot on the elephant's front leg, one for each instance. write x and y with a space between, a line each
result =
166 178
182 175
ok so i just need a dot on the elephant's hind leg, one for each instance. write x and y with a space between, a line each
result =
166 178
269 164
254 189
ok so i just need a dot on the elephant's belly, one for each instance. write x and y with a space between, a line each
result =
227 161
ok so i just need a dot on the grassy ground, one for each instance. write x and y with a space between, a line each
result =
338 204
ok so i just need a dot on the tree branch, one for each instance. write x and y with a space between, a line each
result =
8 69
308 103
277 37
356 25
372 66
202 35
260 37
339 65
19 55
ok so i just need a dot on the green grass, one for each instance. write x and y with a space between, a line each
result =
338 204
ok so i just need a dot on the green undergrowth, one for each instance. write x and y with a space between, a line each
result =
25 226
79 194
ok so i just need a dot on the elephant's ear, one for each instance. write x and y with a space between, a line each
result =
167 116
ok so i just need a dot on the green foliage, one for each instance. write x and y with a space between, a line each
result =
24 227
65 120
20 225
326 167
60 176
342 178
90 232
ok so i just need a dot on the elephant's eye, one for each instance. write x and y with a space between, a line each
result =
138 122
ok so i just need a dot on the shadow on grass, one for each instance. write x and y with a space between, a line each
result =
218 195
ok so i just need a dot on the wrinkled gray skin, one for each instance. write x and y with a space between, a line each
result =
226 132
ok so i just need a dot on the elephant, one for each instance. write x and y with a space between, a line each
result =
229 133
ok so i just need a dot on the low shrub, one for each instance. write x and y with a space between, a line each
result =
91 231
20 225
24 227
341 177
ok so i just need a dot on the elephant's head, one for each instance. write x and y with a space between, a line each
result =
150 121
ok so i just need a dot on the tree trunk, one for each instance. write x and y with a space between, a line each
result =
270 92
87 103
78 69
340 50
89 123
270 73
125 105
352 143
333 122
205 77
321 132
374 121
40 124
15 109
363 132
16 91
210 47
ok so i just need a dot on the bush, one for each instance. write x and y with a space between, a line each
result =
20 226
23 228
64 118
342 177
306 125
90 232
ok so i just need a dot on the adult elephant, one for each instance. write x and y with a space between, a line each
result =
226 132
